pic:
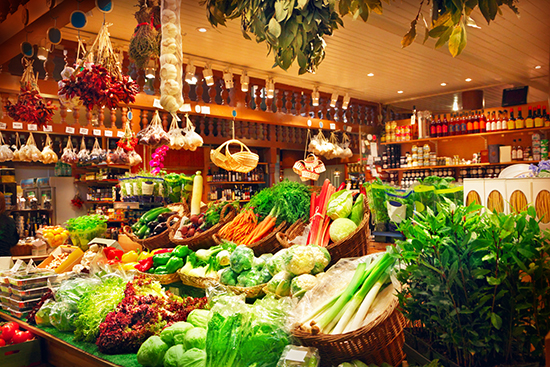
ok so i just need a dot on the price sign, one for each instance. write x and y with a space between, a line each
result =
96 132
18 125
32 127
205 110
349 129
69 130
120 134
108 133
47 128
333 126
83 131
3 125
156 103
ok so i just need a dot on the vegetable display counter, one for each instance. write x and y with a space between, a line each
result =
60 350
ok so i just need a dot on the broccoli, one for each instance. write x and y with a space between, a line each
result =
277 262
301 284
241 259
302 260
249 278
280 284
228 277
322 259
266 275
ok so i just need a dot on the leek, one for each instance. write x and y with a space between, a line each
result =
367 303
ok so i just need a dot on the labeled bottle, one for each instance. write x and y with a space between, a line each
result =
483 122
529 122
469 124
520 124
463 125
499 121
476 123
445 126
545 118
438 129
433 132
514 151
493 122
538 118
511 120
519 153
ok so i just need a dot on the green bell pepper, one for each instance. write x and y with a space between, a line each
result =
161 259
161 270
181 251
151 270
174 264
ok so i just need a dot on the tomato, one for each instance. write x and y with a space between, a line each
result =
21 336
8 330
2 343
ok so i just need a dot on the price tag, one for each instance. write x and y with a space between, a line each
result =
47 128
3 125
374 149
349 129
186 107
96 132
296 355
83 131
18 125
108 133
32 127
333 126
120 134
69 130
205 110
156 103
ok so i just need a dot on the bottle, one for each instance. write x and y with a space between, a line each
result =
476 123
545 117
527 154
493 122
469 124
463 125
529 122
505 120
499 121
438 126
519 121
519 151
209 176
512 120
483 122
514 151
538 118
432 128
445 126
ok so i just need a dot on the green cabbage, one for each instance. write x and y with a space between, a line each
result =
341 228
173 355
152 351
193 358
340 204
195 338
199 318
169 334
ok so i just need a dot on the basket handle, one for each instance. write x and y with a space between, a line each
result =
235 141
228 211
283 239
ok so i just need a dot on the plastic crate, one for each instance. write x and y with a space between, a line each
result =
28 305
27 294
27 354
28 281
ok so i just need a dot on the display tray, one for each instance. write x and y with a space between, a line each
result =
63 351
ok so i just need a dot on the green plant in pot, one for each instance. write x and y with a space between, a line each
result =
477 285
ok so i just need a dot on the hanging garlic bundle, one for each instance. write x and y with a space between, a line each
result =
69 154
16 148
83 154
171 57
154 134
48 155
194 140
5 152
345 146
177 139
30 152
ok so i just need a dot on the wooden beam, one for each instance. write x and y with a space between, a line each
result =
35 31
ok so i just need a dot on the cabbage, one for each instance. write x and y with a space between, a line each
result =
193 358
280 284
195 338
341 228
199 318
340 204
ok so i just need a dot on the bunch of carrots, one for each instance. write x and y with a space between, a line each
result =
262 229
320 221
245 229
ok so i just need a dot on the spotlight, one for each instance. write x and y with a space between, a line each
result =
228 79
42 53
315 97
190 73
346 101
208 75
245 81
150 69
333 100
269 88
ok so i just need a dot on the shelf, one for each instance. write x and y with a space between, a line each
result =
459 166
105 165
31 210
96 182
480 135
99 202
235 183
116 221
259 164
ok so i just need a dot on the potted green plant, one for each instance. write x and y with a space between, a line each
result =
476 286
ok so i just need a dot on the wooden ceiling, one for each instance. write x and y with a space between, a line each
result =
500 55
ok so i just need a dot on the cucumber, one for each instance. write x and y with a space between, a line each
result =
152 214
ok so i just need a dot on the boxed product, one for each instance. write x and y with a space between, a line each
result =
62 259
21 355
296 356
494 153
31 280
27 305
27 294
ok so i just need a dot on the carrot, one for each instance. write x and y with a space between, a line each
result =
263 229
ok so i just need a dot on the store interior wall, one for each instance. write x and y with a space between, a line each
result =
33 172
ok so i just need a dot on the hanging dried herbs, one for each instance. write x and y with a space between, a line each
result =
145 42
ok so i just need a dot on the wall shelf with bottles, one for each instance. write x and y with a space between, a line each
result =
459 166
97 182
214 183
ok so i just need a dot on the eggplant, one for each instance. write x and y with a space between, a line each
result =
153 224
164 216
161 227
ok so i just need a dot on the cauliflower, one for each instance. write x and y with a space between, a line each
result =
302 260
301 284
241 259
277 263
322 259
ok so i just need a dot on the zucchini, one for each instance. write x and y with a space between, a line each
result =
152 214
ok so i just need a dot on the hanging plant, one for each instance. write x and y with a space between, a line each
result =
295 29
145 42
30 106
97 80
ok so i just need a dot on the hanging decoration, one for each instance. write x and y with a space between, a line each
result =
145 42
171 59
129 141
310 167
97 79
157 160
77 201
242 161
6 153
69 155
30 106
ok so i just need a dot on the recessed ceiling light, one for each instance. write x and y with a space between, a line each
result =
468 79
443 84
399 91
538 67
370 74
202 29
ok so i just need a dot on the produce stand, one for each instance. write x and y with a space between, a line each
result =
60 350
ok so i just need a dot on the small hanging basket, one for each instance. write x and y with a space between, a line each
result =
309 168
243 161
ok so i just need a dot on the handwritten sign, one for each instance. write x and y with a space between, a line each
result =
83 131
3 125
333 126
96 132
108 133
120 134
349 129
32 127
18 125
47 128
69 130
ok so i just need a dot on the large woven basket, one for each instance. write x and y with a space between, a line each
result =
380 341
268 244
355 245
163 278
203 283
249 292
203 240
243 161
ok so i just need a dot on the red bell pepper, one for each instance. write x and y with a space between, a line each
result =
144 264
162 251
113 253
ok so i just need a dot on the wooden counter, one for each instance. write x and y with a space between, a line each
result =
59 353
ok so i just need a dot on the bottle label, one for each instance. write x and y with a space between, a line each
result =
438 130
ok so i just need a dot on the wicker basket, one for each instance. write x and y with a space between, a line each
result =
21 250
249 292
380 341
197 282
243 161
155 242
163 278
355 245
203 240
268 244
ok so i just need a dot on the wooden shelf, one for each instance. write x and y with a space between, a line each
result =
99 202
259 164
101 165
459 166
480 135
214 183
96 182
31 210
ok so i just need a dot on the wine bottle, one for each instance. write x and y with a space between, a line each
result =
529 122
445 126
483 122
519 153
538 118
438 129
514 151
512 120
476 123
545 118
499 121
469 124
520 124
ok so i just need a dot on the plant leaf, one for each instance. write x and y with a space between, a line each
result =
457 40
301 4
496 320
274 28
410 36
280 11
444 37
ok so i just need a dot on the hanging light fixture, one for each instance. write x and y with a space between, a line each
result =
245 81
208 75
315 96
190 77
43 52
150 69
333 100
345 103
269 88
228 79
